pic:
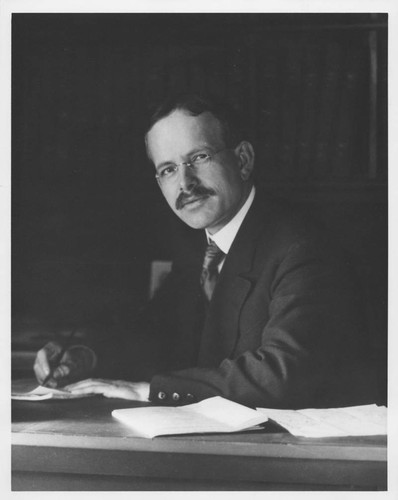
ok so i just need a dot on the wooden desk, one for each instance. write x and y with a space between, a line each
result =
77 445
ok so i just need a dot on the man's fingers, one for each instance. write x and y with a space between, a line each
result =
42 365
89 386
84 384
42 362
75 363
107 388
136 391
41 371
51 383
61 371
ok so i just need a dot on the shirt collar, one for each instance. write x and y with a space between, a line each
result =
226 235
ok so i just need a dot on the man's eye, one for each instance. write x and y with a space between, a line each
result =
200 158
167 171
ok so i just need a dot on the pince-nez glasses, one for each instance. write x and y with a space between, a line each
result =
168 172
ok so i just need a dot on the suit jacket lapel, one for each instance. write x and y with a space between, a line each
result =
221 329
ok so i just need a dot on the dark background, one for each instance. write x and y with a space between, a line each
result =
87 215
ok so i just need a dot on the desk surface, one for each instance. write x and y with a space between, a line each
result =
78 443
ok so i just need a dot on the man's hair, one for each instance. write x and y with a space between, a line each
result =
232 125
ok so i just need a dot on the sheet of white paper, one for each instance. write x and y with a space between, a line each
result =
367 420
41 393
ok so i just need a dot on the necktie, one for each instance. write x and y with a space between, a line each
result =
209 275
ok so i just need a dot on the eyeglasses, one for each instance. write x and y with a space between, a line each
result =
168 172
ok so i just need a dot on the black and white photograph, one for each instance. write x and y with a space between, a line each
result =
199 240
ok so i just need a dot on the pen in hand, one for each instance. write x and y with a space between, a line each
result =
59 356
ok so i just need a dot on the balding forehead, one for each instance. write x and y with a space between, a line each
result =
179 119
179 132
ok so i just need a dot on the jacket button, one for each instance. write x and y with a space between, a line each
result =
190 397
175 396
162 395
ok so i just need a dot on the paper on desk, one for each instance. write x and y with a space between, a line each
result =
366 420
211 415
41 393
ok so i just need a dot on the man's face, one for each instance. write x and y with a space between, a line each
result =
207 196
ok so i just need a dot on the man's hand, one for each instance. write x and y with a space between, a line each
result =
76 363
136 391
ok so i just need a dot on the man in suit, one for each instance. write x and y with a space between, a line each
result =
273 320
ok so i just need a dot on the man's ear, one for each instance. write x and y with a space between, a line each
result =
245 153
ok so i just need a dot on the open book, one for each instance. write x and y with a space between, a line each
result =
210 415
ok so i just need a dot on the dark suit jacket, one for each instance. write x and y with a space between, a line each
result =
284 328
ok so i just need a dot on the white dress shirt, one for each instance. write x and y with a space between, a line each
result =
226 235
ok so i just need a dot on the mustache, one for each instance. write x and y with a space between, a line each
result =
196 192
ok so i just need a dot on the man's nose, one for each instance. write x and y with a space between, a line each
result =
187 177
